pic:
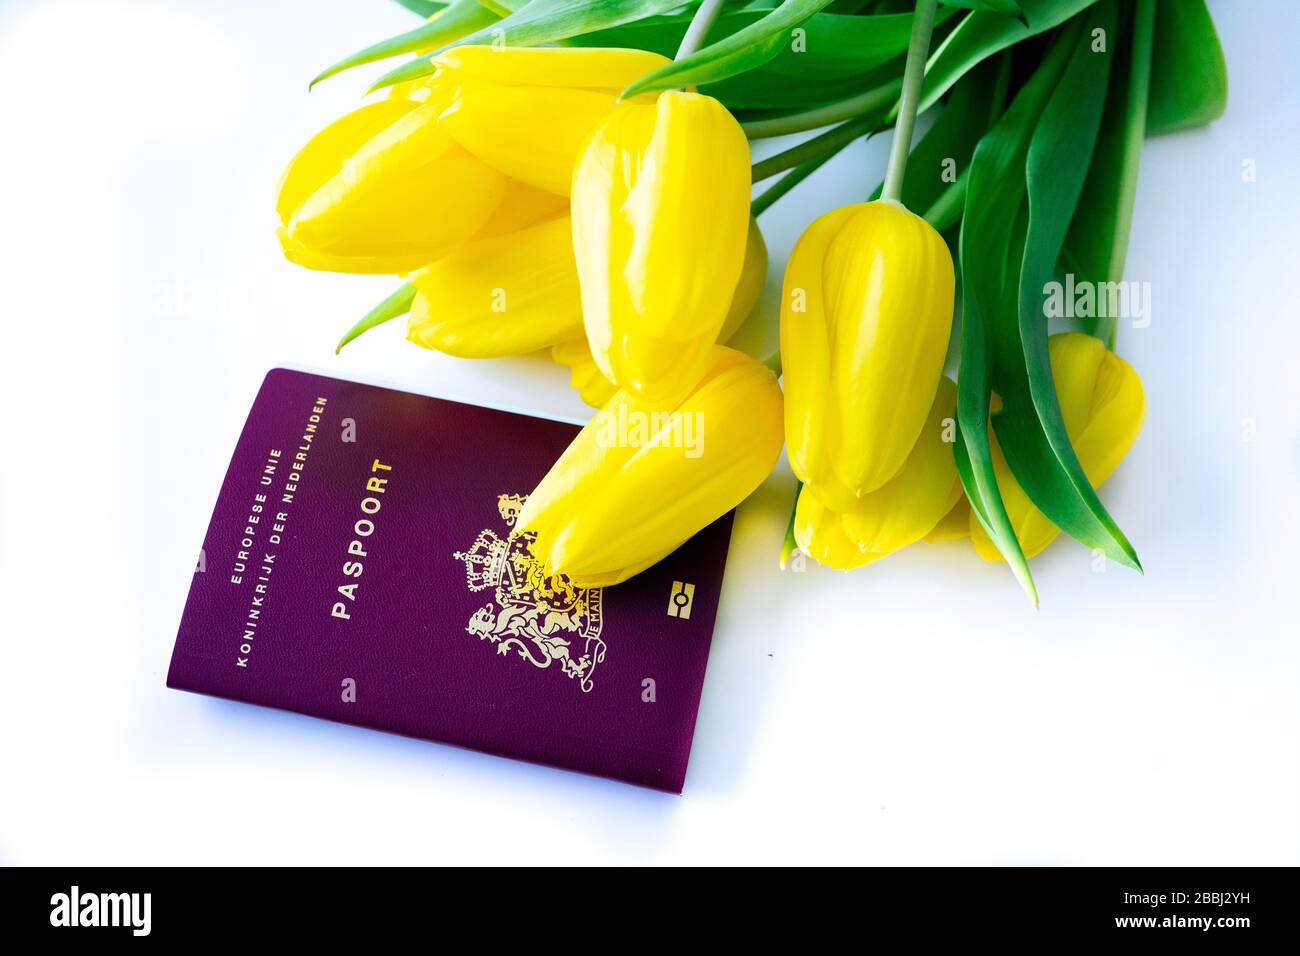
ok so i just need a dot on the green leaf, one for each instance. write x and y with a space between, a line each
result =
977 37
983 34
399 303
462 17
747 48
1030 429
990 235
763 90
837 56
540 21
831 46
1189 77
775 86
424 8
663 35
831 57
1097 243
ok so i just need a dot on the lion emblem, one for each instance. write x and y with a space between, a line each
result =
545 620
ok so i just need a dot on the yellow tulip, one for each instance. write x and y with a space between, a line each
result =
506 295
400 182
660 209
1102 405
640 479
898 513
595 389
527 111
866 312
369 192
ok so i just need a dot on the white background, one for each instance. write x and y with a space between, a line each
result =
918 711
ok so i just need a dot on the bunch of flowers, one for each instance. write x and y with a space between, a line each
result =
576 177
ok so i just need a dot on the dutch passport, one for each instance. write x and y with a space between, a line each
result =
362 566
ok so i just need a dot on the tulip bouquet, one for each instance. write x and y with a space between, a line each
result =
575 176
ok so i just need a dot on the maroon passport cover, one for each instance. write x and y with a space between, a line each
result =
361 566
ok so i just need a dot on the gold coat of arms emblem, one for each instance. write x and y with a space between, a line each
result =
545 620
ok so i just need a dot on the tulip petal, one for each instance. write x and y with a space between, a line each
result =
690 206
602 177
506 295
584 375
528 112
596 389
326 152
322 158
899 513
820 533
806 351
753 276
596 68
955 524
908 506
533 134
1117 408
523 206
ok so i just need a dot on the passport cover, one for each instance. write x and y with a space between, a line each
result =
361 566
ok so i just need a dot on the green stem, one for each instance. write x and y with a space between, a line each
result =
876 99
913 76
698 31
786 183
825 144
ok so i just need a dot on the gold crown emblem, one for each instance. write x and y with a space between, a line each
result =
485 561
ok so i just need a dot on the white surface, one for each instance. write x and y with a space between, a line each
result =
915 712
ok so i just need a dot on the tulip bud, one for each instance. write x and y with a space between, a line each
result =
660 209
902 511
507 295
596 389
866 312
489 139
639 480
1102 405
369 193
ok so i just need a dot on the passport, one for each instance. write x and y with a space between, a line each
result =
362 566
